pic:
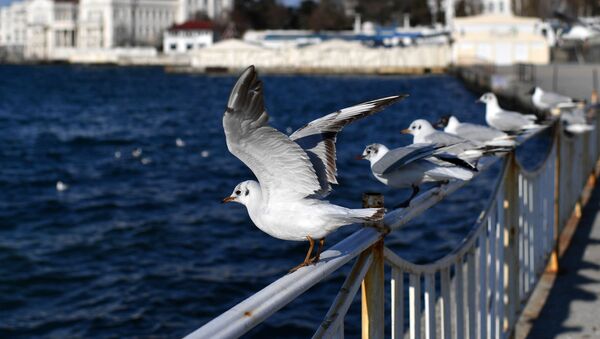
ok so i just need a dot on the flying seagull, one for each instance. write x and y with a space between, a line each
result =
507 121
412 165
294 173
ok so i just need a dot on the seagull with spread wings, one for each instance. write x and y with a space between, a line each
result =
415 164
294 173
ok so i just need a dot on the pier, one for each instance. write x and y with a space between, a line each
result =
492 284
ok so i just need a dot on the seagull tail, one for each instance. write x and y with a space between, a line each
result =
366 214
501 142
579 128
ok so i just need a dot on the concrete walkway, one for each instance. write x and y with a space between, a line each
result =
572 309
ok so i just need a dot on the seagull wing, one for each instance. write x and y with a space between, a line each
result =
454 144
554 99
318 137
402 156
478 132
281 166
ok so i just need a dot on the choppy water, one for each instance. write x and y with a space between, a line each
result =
137 249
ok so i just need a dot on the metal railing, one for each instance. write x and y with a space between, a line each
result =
476 291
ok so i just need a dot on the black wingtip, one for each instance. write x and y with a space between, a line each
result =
248 81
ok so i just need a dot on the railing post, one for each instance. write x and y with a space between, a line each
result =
372 291
511 231
553 261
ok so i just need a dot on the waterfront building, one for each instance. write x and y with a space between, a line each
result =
51 28
214 9
59 29
188 36
500 39
13 28
124 23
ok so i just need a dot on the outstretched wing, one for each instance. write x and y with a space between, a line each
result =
402 156
281 166
318 137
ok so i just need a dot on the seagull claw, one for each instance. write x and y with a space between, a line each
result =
303 264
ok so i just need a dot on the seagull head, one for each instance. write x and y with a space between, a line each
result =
419 129
443 121
533 90
373 152
488 97
244 192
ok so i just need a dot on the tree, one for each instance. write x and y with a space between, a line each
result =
328 15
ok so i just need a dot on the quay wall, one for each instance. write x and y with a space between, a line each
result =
329 57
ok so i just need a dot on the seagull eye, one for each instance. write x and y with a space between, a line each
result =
368 151
247 192
419 126
238 192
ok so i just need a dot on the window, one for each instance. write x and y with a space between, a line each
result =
189 47
173 47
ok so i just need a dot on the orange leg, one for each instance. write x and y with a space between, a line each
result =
316 258
307 260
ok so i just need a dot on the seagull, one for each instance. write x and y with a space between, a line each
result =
294 173
543 100
489 136
179 142
423 132
507 121
575 121
137 152
61 186
412 165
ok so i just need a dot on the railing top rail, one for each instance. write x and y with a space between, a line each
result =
540 167
252 311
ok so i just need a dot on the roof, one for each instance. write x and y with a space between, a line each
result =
193 25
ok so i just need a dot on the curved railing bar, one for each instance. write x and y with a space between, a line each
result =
465 246
534 172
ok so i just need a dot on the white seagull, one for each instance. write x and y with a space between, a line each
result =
412 165
575 121
424 133
507 121
474 132
294 173
543 100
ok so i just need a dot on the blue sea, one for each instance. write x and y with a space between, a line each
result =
140 246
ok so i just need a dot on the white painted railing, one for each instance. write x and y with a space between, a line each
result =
476 291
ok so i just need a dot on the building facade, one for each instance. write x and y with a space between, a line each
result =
53 29
187 37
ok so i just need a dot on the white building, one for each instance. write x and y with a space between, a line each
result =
499 39
186 37
123 23
501 7
55 29
13 25
215 9
51 28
